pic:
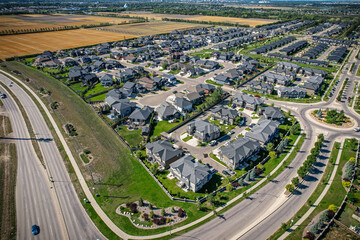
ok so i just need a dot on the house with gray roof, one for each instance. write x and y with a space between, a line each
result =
140 116
163 152
291 92
261 87
106 80
223 80
264 131
272 113
192 174
224 115
193 97
182 105
247 101
123 108
273 78
238 153
288 66
203 130
166 111
205 88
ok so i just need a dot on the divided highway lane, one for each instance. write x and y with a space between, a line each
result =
77 222
34 197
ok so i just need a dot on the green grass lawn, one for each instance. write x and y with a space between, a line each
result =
132 137
84 158
335 195
164 126
98 88
205 53
346 217
213 83
77 87
100 97
187 138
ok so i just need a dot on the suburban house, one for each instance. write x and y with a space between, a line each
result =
126 75
224 115
291 92
261 87
272 113
166 111
307 71
288 66
192 174
311 88
222 79
123 108
140 116
264 131
106 80
205 89
193 97
273 78
239 152
203 130
247 101
182 105
163 152
113 96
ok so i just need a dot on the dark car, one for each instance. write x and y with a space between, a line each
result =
35 229
3 95
225 173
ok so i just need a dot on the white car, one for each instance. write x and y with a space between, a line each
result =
357 129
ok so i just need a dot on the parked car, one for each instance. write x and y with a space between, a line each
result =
230 171
35 229
225 173
213 142
3 95
231 132
357 129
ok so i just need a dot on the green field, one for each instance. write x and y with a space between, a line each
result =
132 137
97 89
164 126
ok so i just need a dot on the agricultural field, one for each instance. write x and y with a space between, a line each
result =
32 43
38 21
149 28
252 22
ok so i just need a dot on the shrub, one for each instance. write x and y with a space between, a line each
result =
87 151
333 208
150 206
172 210
235 184
181 213
352 159
141 202
346 184
310 236
168 220
241 182
324 216
163 212
314 229
146 217
152 214
330 214
229 187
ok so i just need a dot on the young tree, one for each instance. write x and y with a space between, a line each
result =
252 174
290 187
270 147
241 182
333 208
152 214
229 188
163 212
272 154
198 205
211 199
247 177
295 181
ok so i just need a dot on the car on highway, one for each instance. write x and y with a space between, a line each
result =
3 95
35 229
357 129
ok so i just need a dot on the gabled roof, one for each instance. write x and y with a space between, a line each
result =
272 112
182 103
166 109
226 112
142 114
191 169
239 149
263 130
164 149
248 99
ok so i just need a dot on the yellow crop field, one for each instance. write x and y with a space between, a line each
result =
24 44
38 21
244 21
149 28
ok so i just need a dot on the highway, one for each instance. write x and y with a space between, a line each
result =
34 197
78 225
